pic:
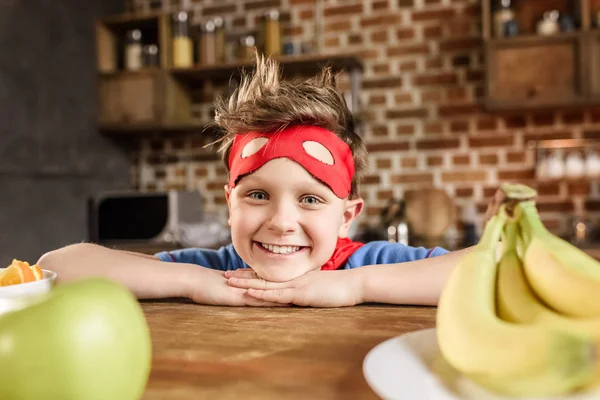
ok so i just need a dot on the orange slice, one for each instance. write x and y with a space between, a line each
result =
17 272
37 272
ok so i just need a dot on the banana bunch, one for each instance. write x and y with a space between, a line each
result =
520 314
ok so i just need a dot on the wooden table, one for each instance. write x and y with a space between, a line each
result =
205 352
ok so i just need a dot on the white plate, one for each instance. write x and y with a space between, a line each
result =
410 367
30 288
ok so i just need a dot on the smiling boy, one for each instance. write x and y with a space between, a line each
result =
294 163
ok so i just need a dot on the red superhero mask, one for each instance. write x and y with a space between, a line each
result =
335 171
319 151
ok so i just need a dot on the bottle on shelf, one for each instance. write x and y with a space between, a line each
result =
183 50
574 165
133 50
549 24
556 166
207 44
271 33
503 16
220 43
150 56
246 48
592 164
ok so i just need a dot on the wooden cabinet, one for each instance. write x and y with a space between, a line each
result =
529 72
130 98
150 97
535 71
161 98
593 52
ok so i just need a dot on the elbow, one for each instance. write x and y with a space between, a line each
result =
58 259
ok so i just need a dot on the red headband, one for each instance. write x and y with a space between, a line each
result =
290 143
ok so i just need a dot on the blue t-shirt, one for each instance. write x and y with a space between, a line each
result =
378 252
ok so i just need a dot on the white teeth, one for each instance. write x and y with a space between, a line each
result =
280 249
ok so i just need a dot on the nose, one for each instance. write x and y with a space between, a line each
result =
283 218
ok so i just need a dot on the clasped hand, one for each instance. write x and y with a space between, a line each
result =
313 289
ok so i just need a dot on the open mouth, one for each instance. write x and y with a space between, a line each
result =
283 250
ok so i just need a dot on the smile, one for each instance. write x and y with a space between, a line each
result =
272 248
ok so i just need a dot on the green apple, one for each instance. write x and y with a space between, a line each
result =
84 340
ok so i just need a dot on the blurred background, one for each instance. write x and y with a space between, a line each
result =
104 111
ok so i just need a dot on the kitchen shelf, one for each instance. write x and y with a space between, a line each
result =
563 144
135 129
568 180
304 64
531 71
160 100
532 39
131 18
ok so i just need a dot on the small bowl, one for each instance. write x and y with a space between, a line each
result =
29 288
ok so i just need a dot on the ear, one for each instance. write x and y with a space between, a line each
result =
353 209
228 200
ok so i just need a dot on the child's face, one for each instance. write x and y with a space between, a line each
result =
284 222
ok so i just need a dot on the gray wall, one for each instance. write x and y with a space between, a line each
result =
51 154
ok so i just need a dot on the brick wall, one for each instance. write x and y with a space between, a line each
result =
422 81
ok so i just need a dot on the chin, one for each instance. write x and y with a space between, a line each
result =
279 274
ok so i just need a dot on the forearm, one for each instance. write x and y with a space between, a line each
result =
416 282
145 276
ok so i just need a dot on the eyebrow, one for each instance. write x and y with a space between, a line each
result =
309 186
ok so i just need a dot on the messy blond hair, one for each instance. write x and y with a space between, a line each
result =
263 102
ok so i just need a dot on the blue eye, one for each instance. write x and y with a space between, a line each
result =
312 200
258 195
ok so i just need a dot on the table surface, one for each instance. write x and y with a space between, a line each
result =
209 352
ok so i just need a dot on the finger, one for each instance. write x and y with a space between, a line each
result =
245 273
280 296
255 284
252 302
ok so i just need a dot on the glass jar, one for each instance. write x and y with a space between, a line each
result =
150 56
207 44
271 33
548 25
219 40
246 49
502 17
133 50
183 51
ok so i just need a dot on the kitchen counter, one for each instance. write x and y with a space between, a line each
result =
207 352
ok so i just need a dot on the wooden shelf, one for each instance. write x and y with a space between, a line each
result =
537 104
131 18
532 39
564 144
149 101
306 64
532 71
126 129
568 180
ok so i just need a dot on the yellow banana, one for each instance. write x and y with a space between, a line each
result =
517 303
563 276
511 359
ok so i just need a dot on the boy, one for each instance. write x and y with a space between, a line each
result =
294 164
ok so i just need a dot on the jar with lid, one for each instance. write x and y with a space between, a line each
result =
271 33
246 48
150 55
219 40
183 50
549 25
133 50
503 16
206 43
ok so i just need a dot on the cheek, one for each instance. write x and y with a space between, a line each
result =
244 218
324 227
